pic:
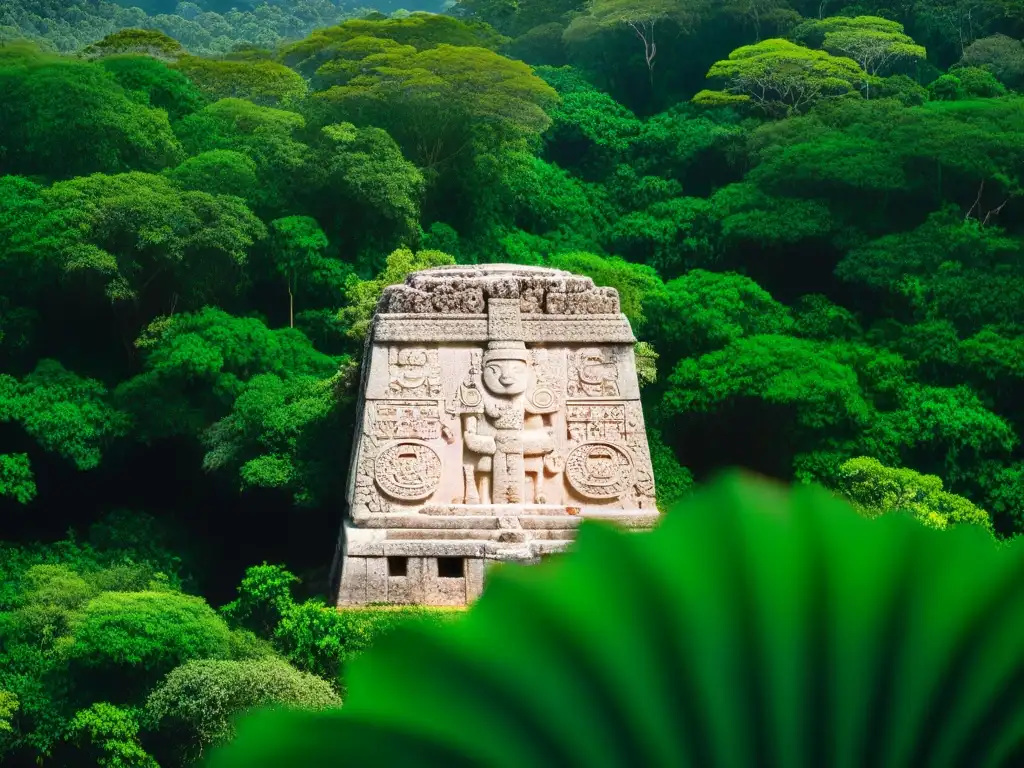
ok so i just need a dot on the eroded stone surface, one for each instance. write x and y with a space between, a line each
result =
493 392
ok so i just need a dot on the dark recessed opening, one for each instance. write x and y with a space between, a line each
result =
398 566
451 567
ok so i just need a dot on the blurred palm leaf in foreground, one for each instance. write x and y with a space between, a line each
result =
756 626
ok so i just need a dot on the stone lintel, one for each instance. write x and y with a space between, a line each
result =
446 534
536 329
433 548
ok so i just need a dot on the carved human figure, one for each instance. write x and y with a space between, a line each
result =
510 434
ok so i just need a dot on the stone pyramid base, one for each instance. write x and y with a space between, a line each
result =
440 555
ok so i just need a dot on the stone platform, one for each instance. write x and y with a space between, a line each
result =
499 407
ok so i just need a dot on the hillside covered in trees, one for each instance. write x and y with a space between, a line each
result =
812 211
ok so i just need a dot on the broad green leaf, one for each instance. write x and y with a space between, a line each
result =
756 626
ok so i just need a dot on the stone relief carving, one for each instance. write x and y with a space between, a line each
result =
594 372
596 422
468 290
414 372
394 420
599 470
517 412
365 497
408 471
513 443
490 391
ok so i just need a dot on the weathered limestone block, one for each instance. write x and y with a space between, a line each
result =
499 407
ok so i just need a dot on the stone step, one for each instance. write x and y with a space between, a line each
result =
552 534
548 522
631 520
431 522
506 536
498 510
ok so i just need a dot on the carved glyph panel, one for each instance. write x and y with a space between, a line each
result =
599 470
413 372
408 471
594 372
395 420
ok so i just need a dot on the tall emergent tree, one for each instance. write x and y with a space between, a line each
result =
643 19
781 78
875 43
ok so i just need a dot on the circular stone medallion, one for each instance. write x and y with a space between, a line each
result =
407 471
599 470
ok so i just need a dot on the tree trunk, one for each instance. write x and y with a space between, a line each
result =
291 306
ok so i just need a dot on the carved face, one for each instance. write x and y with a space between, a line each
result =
412 367
505 377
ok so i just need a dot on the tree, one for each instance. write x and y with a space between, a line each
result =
781 78
775 14
198 700
590 131
149 42
419 30
219 172
360 183
832 401
263 597
145 244
979 83
541 198
196 365
643 18
875 489
746 214
703 311
361 296
296 247
440 102
874 43
16 480
950 268
672 481
1001 55
93 127
65 414
670 235
8 708
268 136
266 83
113 735
145 634
155 83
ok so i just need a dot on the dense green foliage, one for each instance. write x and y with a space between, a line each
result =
757 625
813 213
203 26
107 661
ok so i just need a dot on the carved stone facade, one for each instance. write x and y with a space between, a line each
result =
499 407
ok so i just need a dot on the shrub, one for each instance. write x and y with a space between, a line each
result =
199 699
110 736
154 631
321 639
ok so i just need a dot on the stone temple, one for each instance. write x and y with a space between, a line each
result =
499 407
